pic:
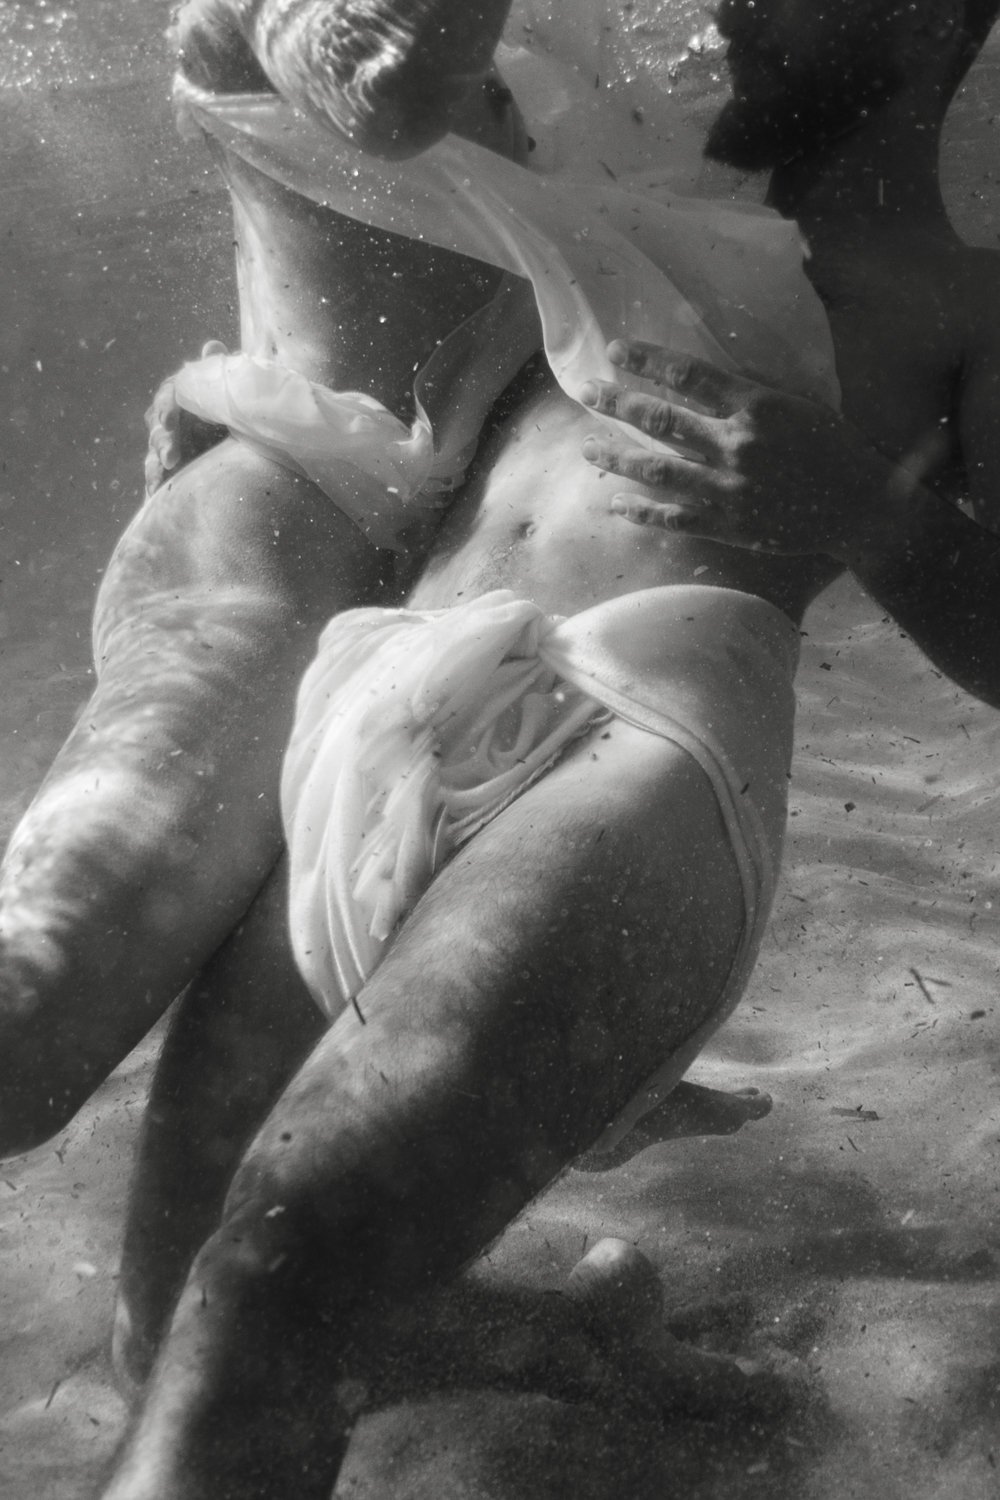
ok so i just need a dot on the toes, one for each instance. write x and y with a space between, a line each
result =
755 1105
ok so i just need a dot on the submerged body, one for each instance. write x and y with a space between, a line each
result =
518 1008
497 1037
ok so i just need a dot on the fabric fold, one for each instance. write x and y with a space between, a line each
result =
415 728
599 223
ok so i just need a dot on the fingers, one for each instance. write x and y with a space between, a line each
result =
659 419
709 520
164 418
163 452
695 520
153 473
696 379
685 478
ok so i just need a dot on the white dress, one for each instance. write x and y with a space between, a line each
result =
600 221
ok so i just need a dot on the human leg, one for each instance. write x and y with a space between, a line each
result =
157 822
159 819
240 1032
577 941
691 1109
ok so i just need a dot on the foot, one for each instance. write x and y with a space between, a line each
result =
619 1296
691 1109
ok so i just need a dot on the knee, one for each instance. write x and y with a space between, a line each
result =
42 1082
267 1256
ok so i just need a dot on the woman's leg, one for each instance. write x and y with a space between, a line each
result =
159 819
562 955
241 1030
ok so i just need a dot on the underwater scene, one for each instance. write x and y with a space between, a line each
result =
848 1239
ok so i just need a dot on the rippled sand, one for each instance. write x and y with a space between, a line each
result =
852 1236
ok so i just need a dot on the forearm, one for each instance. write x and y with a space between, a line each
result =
938 574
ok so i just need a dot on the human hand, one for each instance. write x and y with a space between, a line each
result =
756 468
176 436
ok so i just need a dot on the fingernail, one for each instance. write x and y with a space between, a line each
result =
618 505
617 352
590 449
588 394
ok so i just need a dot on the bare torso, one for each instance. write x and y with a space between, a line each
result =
535 517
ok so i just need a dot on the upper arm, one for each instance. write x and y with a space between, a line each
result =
979 398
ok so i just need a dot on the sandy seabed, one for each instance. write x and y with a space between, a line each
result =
852 1237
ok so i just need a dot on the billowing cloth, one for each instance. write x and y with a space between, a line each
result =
596 223
383 474
413 728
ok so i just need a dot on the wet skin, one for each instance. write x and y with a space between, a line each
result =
535 517
210 609
340 1158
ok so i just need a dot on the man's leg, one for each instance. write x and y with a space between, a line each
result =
159 819
239 1033
558 959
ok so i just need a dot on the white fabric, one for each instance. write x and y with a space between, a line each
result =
604 257
595 223
383 474
413 728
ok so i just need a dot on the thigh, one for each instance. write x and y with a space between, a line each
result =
566 952
582 935
237 1036
606 901
160 816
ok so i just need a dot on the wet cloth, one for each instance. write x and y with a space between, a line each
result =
414 728
599 223
383 474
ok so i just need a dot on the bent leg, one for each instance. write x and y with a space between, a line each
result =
240 1032
159 819
578 941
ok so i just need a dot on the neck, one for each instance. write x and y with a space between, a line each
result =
881 177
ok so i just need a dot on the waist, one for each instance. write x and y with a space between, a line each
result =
566 586
536 518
